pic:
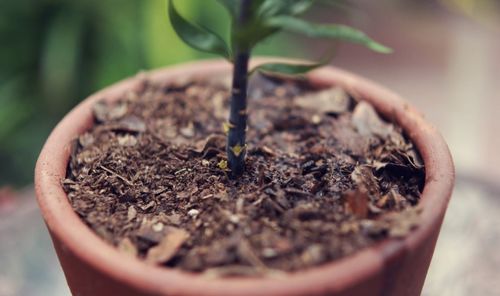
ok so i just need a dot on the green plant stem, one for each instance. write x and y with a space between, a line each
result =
236 138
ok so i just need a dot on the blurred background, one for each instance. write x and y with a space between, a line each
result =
53 53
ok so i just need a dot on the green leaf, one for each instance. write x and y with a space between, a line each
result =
287 68
332 31
271 8
256 29
232 6
199 38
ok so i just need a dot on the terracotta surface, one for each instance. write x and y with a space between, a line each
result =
393 267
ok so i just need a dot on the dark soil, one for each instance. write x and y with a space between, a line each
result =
325 177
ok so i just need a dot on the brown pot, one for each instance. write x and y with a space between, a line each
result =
391 267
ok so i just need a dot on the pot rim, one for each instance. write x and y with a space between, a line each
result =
335 276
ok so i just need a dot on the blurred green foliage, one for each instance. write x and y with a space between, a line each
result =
54 53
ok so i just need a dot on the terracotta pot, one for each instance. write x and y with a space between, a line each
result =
391 267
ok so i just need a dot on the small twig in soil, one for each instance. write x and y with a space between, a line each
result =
180 171
298 192
117 175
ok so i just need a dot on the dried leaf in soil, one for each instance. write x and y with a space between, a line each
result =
127 247
168 246
357 202
331 100
368 123
401 223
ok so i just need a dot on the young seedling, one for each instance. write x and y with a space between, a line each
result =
251 22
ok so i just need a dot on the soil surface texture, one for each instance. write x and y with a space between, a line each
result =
325 176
